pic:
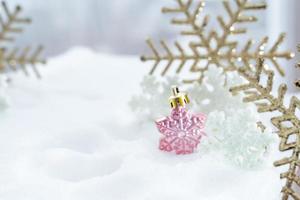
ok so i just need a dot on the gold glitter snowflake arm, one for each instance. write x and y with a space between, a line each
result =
196 29
287 122
17 58
181 55
13 19
20 59
200 49
246 55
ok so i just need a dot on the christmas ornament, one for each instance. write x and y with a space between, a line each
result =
16 58
218 47
181 131
241 143
286 120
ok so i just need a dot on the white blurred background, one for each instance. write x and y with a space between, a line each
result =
121 26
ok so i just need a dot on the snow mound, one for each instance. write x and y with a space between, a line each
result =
72 136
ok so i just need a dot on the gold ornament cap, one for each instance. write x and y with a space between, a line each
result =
178 98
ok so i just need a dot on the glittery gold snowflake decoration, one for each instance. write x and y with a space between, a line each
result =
17 58
259 89
202 52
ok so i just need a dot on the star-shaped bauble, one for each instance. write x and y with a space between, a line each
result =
182 131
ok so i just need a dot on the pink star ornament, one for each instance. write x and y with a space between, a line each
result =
182 131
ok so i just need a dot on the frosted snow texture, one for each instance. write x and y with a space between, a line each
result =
72 136
4 99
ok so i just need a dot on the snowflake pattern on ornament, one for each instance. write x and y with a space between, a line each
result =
182 131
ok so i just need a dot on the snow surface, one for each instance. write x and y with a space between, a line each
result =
72 136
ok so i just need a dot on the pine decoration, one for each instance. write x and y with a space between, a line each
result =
17 58
285 120
225 53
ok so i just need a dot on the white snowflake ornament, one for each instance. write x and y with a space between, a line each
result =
231 124
151 103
